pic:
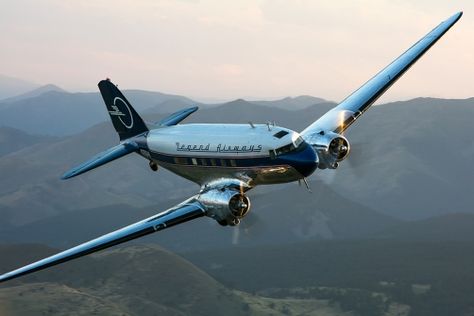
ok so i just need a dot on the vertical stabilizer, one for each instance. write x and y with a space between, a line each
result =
126 120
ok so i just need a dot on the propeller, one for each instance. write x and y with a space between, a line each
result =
356 160
246 222
359 157
246 227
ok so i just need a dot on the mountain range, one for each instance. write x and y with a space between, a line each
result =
50 110
393 221
133 280
399 169
11 86
55 112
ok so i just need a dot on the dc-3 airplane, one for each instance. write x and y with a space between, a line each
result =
227 160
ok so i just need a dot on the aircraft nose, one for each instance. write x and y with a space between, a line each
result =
305 161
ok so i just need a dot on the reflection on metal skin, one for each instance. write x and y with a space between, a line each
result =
331 148
227 207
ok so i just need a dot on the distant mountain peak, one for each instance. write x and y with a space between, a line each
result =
45 88
237 102
293 103
11 86
50 87
36 92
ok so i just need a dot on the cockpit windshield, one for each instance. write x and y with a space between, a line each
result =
290 147
298 141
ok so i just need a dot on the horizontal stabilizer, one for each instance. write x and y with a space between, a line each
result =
102 158
177 117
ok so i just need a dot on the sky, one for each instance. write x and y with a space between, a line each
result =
223 50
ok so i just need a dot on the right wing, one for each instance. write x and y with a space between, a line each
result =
177 117
348 111
173 119
181 213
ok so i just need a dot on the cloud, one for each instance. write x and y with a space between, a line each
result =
258 47
228 70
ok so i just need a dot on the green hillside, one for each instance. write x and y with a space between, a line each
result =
431 278
133 280
53 299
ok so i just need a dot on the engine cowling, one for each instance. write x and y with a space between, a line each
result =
331 148
226 206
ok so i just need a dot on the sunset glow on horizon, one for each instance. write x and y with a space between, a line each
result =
232 49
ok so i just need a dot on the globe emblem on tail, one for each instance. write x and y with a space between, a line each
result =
121 109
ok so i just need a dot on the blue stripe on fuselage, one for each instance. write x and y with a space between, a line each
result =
304 160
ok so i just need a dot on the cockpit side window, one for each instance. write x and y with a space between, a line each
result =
285 149
272 154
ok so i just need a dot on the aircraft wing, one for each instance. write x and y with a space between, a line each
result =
177 117
181 213
343 115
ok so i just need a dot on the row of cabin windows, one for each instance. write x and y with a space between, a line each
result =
205 162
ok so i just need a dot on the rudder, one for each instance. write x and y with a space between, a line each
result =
125 119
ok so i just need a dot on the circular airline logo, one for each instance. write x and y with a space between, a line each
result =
122 111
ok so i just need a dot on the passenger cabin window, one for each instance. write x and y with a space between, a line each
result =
181 160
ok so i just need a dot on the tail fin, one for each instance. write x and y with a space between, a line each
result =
126 120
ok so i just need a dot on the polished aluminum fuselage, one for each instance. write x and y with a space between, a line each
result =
203 153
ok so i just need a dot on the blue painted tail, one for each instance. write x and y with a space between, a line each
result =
126 120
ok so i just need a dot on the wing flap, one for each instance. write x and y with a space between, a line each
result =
342 116
181 213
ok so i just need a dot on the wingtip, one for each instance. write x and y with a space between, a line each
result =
453 19
457 16
68 175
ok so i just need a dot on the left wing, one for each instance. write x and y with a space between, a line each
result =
348 111
181 213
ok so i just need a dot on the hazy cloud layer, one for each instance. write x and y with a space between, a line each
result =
229 49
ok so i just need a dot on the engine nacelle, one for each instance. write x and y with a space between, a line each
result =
331 148
226 206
